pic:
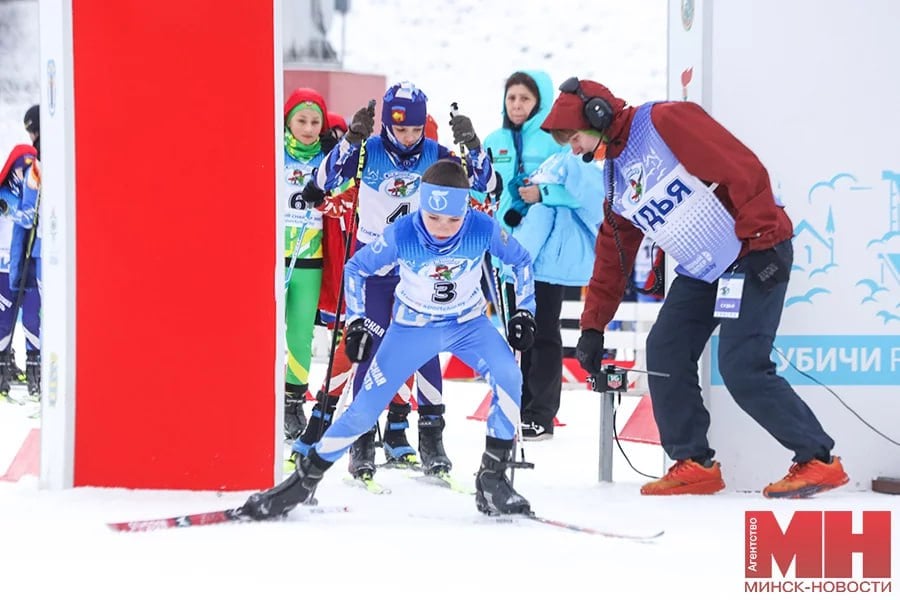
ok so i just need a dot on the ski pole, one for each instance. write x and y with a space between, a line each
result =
502 309
338 309
349 236
454 110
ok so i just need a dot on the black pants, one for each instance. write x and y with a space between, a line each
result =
675 344
542 364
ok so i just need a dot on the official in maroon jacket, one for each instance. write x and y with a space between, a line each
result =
679 177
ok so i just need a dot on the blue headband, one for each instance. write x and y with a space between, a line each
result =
443 200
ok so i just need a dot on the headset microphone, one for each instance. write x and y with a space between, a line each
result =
587 157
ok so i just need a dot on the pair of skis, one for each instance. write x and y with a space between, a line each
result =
233 515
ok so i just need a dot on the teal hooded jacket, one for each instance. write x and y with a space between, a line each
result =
559 232
537 146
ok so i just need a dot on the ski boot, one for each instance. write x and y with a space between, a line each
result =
319 421
494 493
294 418
6 376
397 451
362 456
431 440
33 372
282 498
16 375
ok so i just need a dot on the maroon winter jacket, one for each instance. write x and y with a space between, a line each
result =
713 154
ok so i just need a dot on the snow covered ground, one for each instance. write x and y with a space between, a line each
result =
419 541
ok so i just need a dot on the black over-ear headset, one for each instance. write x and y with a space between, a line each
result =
597 110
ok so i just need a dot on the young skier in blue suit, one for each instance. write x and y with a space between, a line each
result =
394 162
439 307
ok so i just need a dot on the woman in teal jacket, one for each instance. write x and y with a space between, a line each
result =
552 202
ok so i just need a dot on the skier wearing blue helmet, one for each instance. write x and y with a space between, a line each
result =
394 162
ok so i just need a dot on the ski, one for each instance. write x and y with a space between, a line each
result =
13 400
207 518
413 470
407 462
444 480
519 519
367 483
635 537
228 515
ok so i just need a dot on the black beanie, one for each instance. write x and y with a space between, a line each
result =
33 119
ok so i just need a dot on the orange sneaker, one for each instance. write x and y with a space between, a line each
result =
686 477
806 479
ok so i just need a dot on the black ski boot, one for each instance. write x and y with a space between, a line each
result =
6 376
431 440
494 494
396 446
319 422
294 418
33 372
16 375
294 490
362 456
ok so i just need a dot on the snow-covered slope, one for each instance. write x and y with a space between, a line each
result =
463 51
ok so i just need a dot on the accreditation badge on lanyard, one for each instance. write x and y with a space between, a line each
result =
728 297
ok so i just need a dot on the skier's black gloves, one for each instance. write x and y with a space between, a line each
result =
590 351
767 268
362 125
358 341
512 217
520 330
312 196
464 132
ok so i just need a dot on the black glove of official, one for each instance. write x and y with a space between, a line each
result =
590 350
464 132
358 341
362 125
520 330
767 268
312 196
512 217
